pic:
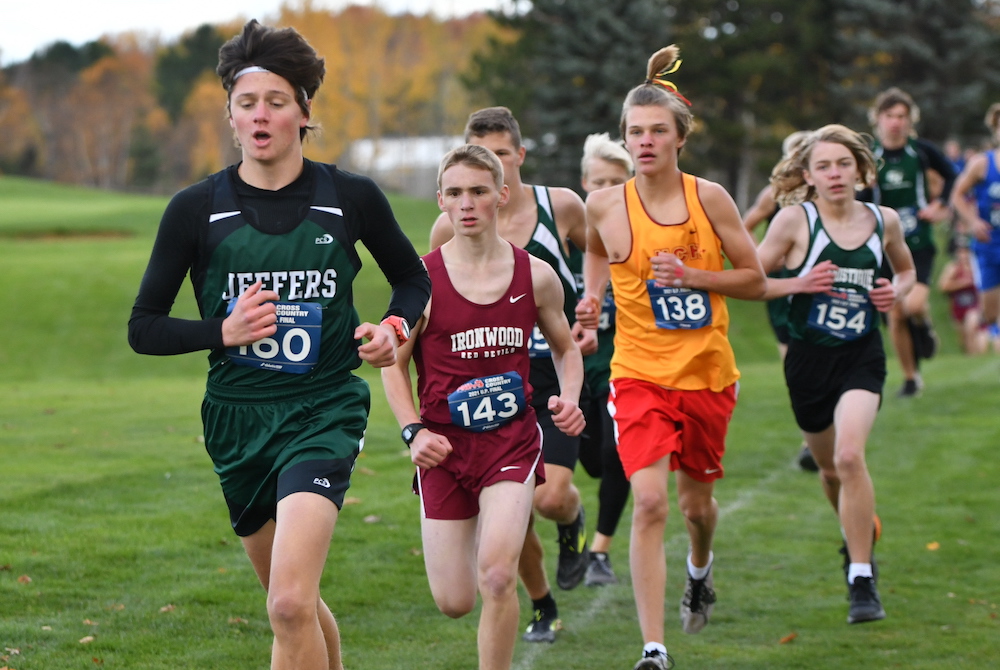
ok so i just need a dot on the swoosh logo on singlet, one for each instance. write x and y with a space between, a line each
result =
514 299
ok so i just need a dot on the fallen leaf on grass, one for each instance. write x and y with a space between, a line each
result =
24 579
46 627
116 607
366 471
933 546
88 622
236 619
373 518
12 651
788 638
87 640
416 551
222 571
168 608
350 500
97 661
6 567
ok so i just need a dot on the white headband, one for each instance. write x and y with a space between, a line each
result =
257 68
248 70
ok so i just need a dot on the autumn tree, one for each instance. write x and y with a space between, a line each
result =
19 153
108 101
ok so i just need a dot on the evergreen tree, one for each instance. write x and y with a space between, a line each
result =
754 71
180 65
942 52
569 73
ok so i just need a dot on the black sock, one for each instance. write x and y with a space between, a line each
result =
546 604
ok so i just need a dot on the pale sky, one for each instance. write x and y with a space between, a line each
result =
26 26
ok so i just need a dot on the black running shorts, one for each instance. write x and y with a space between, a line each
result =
817 376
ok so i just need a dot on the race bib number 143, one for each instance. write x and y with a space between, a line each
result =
486 403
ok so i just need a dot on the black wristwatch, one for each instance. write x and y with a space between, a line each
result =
410 431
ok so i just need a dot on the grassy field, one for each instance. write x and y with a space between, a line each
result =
116 552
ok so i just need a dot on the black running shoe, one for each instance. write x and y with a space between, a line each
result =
925 340
655 660
865 603
599 571
573 553
543 627
806 460
910 389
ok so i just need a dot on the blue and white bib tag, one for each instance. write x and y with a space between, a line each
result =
294 348
845 315
537 346
679 308
486 403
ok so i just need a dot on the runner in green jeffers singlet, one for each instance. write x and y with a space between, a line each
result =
269 247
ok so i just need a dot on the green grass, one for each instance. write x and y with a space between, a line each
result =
109 505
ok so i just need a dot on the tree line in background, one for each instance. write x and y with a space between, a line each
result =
755 70
125 114
121 113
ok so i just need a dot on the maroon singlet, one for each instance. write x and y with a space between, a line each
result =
464 340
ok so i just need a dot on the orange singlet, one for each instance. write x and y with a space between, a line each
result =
675 338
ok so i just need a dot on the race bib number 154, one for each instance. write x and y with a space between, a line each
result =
844 315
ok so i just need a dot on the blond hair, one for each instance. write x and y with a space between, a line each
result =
600 145
788 182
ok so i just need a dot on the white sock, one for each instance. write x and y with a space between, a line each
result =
859 570
699 573
654 646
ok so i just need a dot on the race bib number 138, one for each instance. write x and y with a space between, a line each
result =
293 348
679 308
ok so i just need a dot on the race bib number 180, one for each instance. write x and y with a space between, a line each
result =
294 348
679 308
486 403
843 315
